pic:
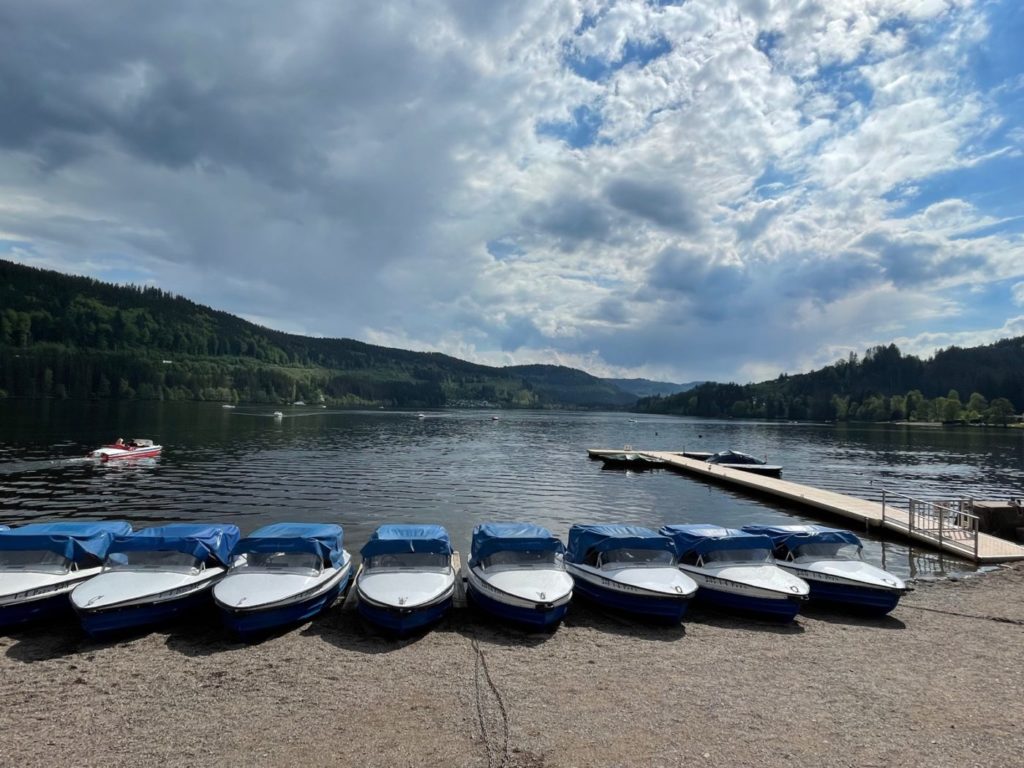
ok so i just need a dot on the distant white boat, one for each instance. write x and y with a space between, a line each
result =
298 402
421 415
227 405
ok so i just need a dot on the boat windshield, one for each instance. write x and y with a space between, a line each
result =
617 558
738 556
828 551
155 560
34 560
529 557
419 560
292 561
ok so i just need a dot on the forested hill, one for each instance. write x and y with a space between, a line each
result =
957 384
67 336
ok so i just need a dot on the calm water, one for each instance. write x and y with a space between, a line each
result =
459 468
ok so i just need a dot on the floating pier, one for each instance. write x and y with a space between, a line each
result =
951 527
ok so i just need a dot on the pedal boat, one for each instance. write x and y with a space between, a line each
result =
139 448
831 561
517 574
282 575
40 563
154 575
629 569
735 571
406 582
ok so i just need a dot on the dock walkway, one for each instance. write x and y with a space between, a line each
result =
943 527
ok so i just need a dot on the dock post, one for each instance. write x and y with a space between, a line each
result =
942 514
883 507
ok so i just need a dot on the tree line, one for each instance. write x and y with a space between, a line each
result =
75 337
883 385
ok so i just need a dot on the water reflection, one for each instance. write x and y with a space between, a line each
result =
459 468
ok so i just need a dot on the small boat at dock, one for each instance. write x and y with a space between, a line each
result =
629 569
830 561
406 582
138 448
41 563
154 575
281 575
517 573
744 461
735 570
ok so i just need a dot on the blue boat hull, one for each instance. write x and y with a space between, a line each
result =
255 624
56 607
661 609
114 621
860 599
530 618
784 609
403 622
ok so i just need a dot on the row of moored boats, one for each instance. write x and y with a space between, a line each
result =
117 579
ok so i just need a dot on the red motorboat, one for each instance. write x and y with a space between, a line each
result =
138 448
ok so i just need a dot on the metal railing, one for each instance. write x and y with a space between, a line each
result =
939 520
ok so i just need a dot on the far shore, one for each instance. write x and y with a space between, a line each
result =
937 683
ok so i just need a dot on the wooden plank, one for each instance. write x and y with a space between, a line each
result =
459 599
868 513
350 596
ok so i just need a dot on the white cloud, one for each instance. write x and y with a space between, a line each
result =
746 203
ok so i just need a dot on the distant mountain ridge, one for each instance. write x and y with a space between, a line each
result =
956 385
648 388
70 336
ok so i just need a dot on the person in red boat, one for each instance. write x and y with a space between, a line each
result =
120 442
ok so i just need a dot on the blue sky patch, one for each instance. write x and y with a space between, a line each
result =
597 68
503 249
579 132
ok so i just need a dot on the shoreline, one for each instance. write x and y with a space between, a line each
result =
938 683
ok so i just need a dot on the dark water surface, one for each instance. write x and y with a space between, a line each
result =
459 468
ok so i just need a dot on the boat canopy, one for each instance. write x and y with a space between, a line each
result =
489 538
201 540
324 540
701 538
588 540
401 539
733 457
77 541
792 536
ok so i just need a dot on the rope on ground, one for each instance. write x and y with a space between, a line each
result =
999 619
496 757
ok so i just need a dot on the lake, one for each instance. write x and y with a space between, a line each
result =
460 468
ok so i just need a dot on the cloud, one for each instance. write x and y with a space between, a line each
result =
695 190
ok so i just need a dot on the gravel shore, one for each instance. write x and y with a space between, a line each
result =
938 683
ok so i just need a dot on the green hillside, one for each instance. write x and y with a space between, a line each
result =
978 384
66 336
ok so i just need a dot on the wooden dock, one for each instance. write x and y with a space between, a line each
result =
944 527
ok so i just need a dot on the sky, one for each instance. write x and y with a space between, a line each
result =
709 189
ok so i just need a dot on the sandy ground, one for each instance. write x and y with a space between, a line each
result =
939 683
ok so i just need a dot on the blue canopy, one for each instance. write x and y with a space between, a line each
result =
322 539
489 538
399 539
701 538
585 540
792 536
203 541
77 541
